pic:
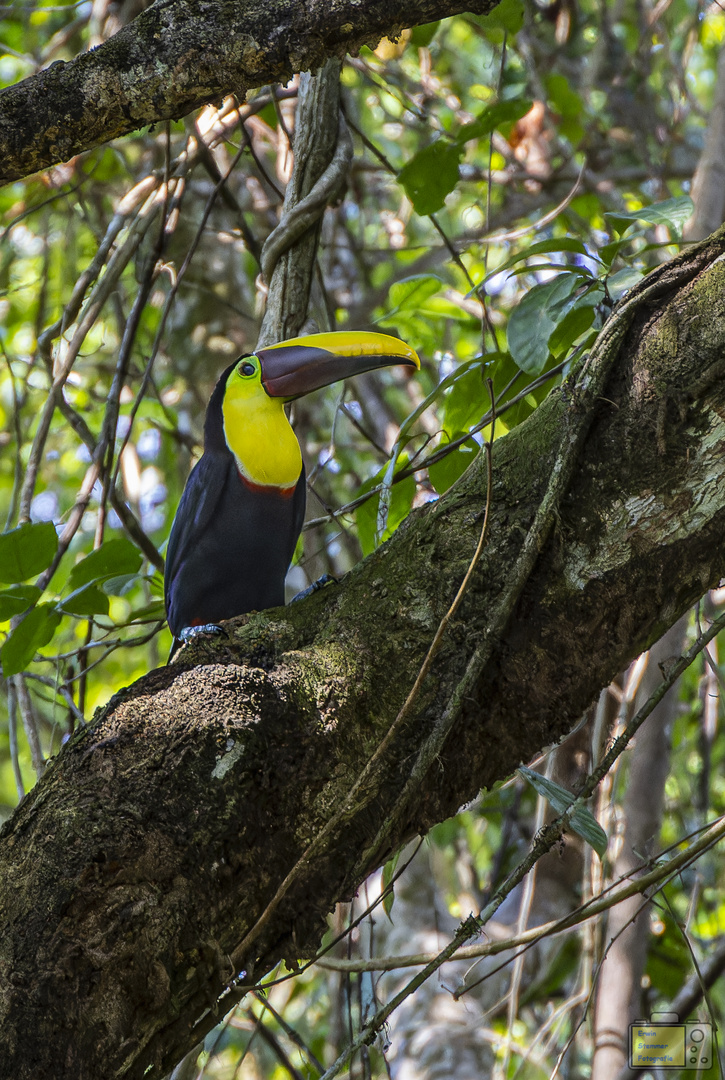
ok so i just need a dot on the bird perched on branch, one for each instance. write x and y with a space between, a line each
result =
242 509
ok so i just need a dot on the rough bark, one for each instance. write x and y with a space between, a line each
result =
180 54
133 873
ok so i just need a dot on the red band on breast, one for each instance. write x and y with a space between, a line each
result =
267 489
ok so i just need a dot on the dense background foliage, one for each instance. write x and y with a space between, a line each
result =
513 176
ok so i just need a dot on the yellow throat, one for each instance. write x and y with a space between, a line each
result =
257 430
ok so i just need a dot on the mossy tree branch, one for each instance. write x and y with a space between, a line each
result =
150 848
180 54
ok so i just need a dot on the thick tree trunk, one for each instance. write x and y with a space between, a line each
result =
180 54
133 877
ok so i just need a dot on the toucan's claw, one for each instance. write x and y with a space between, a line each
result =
188 633
326 579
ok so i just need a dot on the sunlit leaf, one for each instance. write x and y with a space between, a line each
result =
36 630
671 212
27 550
114 558
445 472
16 600
625 279
576 321
508 15
411 292
466 402
421 36
87 600
120 584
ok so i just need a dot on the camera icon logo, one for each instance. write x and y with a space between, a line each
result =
664 1042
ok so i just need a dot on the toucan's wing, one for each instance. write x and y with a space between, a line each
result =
204 489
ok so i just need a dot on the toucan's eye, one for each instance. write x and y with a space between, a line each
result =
247 368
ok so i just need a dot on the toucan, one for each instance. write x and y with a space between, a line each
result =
242 509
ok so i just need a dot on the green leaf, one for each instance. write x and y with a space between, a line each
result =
671 212
444 473
566 101
27 550
87 600
492 117
112 559
388 875
582 821
508 15
16 600
411 292
36 630
466 402
534 320
421 36
430 175
121 584
623 280
576 322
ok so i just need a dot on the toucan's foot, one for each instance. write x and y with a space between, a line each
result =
188 633
326 579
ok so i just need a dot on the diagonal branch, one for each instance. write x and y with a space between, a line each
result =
180 54
156 839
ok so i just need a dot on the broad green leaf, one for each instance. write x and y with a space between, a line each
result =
494 116
566 101
623 280
121 584
444 473
466 402
87 600
671 212
27 550
112 559
576 322
36 630
411 292
430 175
421 36
508 15
16 600
534 320
582 821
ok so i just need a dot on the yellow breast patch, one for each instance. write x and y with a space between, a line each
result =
259 435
